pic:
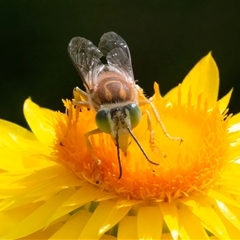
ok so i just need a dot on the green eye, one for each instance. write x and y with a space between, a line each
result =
102 121
134 114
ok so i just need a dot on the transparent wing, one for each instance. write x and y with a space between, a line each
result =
86 58
117 53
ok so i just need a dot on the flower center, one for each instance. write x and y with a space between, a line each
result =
183 168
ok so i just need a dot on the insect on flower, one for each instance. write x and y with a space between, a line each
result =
111 91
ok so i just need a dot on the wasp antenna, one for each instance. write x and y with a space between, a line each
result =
118 155
139 145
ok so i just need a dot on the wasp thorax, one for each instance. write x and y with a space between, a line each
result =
113 88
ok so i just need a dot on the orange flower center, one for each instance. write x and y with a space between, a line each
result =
183 168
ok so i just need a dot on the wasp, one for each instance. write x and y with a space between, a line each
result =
111 91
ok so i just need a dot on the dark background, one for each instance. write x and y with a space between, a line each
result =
166 39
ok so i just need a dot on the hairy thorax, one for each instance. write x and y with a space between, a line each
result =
112 88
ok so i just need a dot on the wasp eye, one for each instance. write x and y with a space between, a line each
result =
134 114
102 121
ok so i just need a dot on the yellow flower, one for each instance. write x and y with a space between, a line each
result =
52 188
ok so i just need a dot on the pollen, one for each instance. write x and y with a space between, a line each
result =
184 168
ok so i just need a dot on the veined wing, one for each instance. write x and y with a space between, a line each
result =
117 53
86 58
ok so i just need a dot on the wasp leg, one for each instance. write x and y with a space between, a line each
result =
79 100
143 102
80 95
89 145
150 128
81 104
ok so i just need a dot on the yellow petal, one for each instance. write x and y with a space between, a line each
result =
37 219
202 79
224 101
172 94
232 180
7 178
73 227
15 141
190 226
10 219
234 123
128 228
223 197
228 215
108 237
166 236
157 95
18 131
105 216
208 217
15 203
113 218
234 132
39 119
82 196
234 135
229 212
231 189
149 221
46 233
170 216
10 161
55 178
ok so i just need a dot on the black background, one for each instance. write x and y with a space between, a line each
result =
166 39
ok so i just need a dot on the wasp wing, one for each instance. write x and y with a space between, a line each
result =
86 58
117 53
